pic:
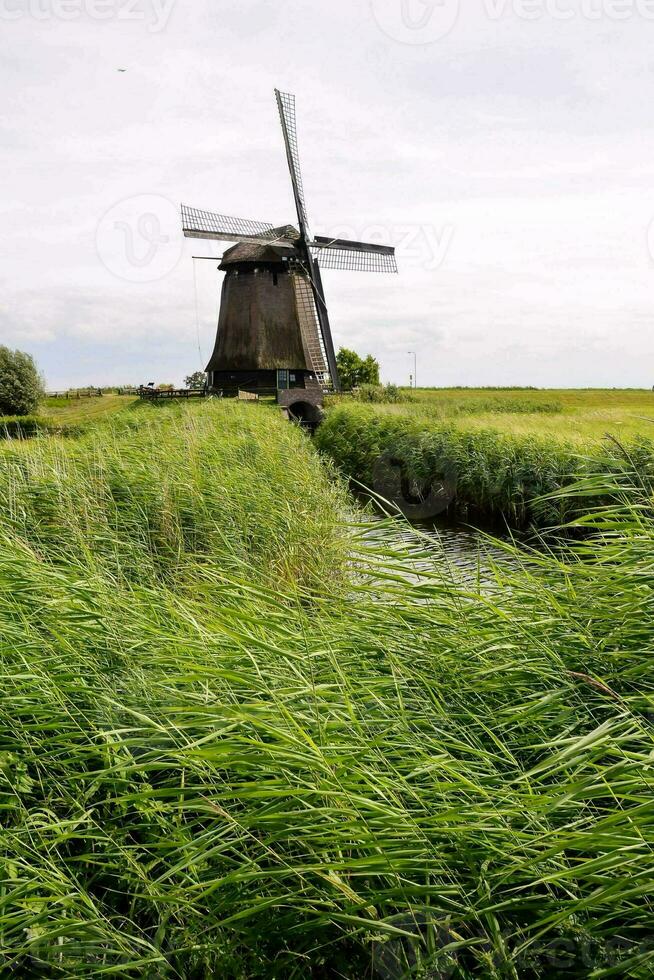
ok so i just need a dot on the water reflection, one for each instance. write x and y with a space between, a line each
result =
465 553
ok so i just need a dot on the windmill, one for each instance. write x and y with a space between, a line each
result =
273 329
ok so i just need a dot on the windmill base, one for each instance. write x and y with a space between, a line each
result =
229 383
303 405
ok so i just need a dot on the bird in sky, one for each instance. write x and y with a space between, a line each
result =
121 69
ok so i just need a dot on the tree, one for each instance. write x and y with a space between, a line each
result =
21 387
354 370
196 381
369 371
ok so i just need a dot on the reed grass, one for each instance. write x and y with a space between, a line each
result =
139 496
307 748
515 480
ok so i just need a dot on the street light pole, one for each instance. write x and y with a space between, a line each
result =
415 368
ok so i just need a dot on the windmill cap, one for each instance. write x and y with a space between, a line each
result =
252 252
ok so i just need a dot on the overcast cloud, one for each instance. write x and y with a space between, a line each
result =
505 148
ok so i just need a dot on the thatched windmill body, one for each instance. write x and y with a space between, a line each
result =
273 330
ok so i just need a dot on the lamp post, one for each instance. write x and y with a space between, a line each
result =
415 368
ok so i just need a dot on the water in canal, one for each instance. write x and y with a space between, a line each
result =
468 553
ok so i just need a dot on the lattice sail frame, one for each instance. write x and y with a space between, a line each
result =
309 321
288 118
205 224
353 260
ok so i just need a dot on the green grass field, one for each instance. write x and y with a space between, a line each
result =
75 410
576 417
242 735
61 416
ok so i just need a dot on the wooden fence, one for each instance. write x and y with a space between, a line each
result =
155 394
86 393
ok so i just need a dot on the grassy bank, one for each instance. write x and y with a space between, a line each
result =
63 416
464 462
579 418
237 744
76 411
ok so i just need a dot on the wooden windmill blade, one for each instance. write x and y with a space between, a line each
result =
307 314
286 106
220 227
323 320
339 253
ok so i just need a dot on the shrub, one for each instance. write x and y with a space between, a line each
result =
381 394
21 387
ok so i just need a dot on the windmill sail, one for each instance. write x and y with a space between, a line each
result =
325 327
286 106
309 320
338 253
220 227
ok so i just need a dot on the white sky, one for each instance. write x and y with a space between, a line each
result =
504 147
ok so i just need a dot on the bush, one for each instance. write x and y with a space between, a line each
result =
21 388
381 394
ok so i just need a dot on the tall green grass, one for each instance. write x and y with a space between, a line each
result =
489 475
233 747
142 496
